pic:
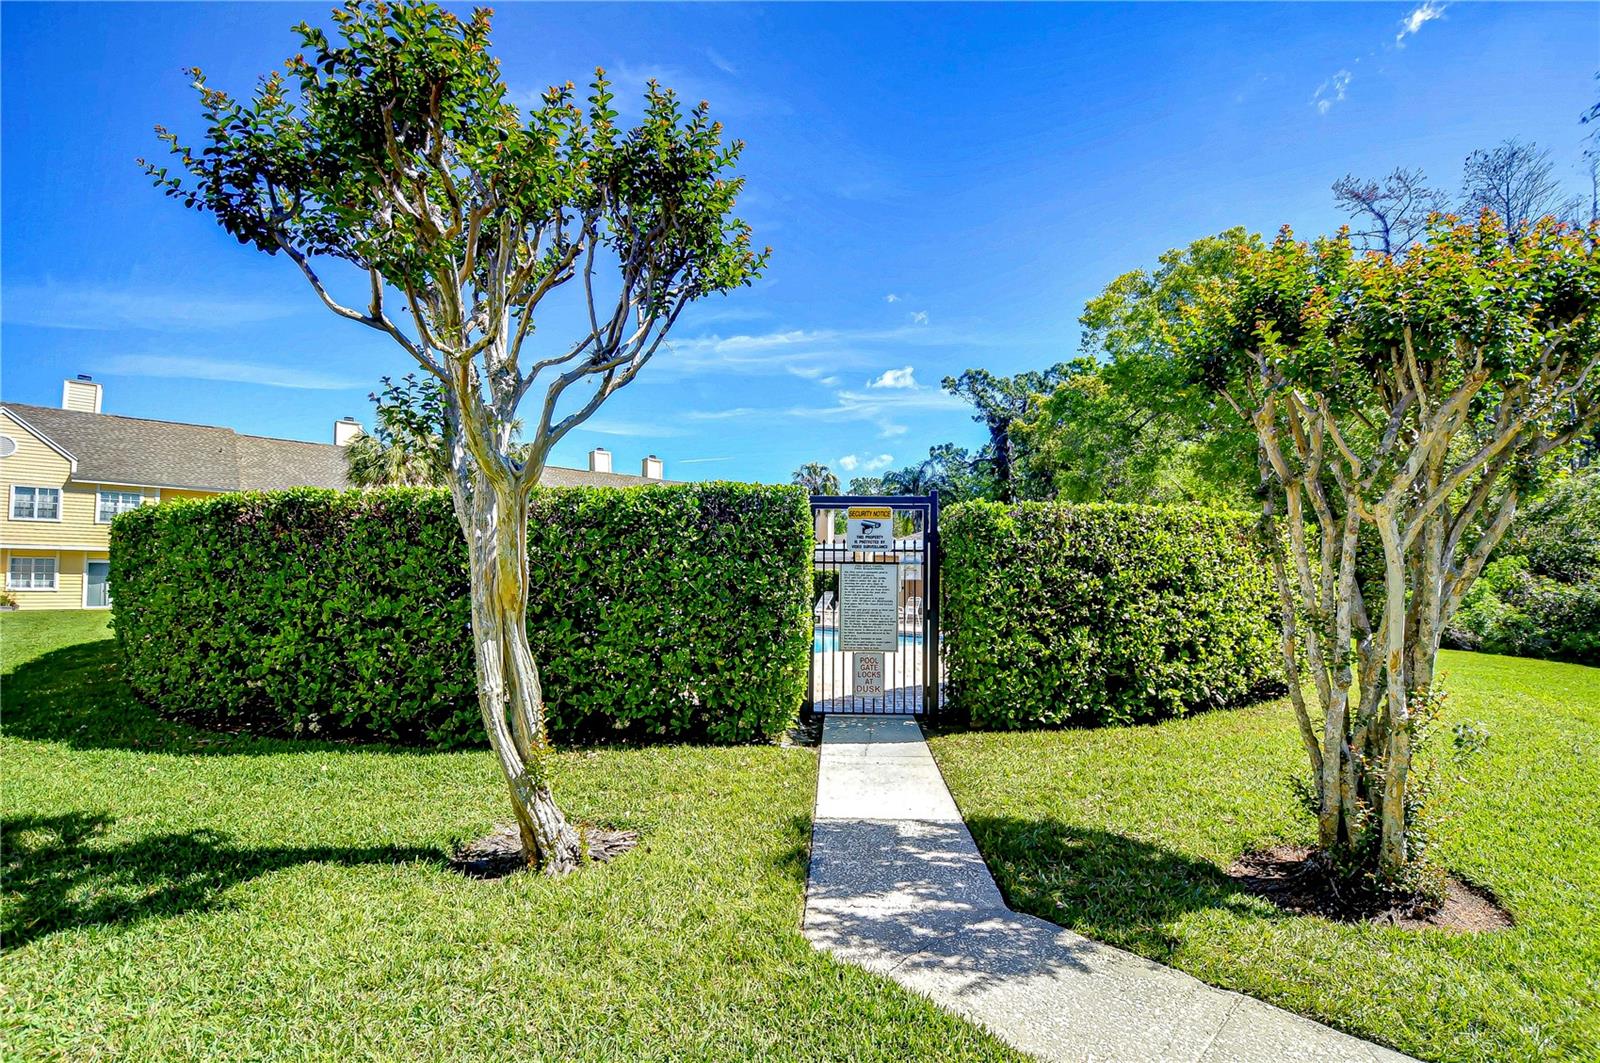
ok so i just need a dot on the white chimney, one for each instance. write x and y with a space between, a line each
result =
650 468
345 429
82 394
599 460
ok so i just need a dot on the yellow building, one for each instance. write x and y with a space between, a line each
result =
67 472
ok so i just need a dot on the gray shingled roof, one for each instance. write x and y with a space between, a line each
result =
557 476
132 450
267 464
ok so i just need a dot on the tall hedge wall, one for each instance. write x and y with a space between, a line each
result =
1061 614
655 612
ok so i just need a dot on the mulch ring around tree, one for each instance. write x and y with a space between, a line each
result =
1291 877
499 853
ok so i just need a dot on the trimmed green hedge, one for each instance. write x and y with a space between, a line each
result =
1540 596
1061 614
676 612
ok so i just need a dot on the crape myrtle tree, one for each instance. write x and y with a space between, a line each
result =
1407 399
394 148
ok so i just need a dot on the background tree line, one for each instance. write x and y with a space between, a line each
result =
1125 422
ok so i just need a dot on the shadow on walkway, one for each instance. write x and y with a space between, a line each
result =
910 892
59 873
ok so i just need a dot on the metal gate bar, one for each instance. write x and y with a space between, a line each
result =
912 671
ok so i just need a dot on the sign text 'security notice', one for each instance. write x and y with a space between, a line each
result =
869 613
868 678
869 528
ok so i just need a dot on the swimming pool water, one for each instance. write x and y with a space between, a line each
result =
826 640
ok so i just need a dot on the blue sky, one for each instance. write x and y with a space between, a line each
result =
944 186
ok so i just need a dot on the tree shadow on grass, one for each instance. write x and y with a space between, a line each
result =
59 874
1107 886
793 858
76 696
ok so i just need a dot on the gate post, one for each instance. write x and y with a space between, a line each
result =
930 625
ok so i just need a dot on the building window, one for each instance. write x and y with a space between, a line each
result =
31 574
36 503
114 502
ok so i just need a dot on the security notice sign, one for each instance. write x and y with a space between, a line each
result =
868 678
869 528
869 614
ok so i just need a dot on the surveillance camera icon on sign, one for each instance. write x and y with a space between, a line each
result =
871 525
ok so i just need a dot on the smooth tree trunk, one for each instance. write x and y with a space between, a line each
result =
1392 845
494 519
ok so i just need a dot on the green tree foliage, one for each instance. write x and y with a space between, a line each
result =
1408 399
665 613
1541 596
816 478
406 447
1060 614
1124 422
949 471
1000 401
394 149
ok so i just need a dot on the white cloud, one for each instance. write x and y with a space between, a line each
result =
699 461
728 99
919 317
1419 17
1331 92
712 315
772 341
813 372
809 353
609 426
720 63
894 378
98 306
891 298
731 414
854 462
185 367
878 404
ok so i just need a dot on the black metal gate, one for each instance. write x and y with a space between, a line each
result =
904 680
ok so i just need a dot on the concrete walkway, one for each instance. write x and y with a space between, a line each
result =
897 886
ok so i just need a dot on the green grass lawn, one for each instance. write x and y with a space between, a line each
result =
1123 834
171 893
